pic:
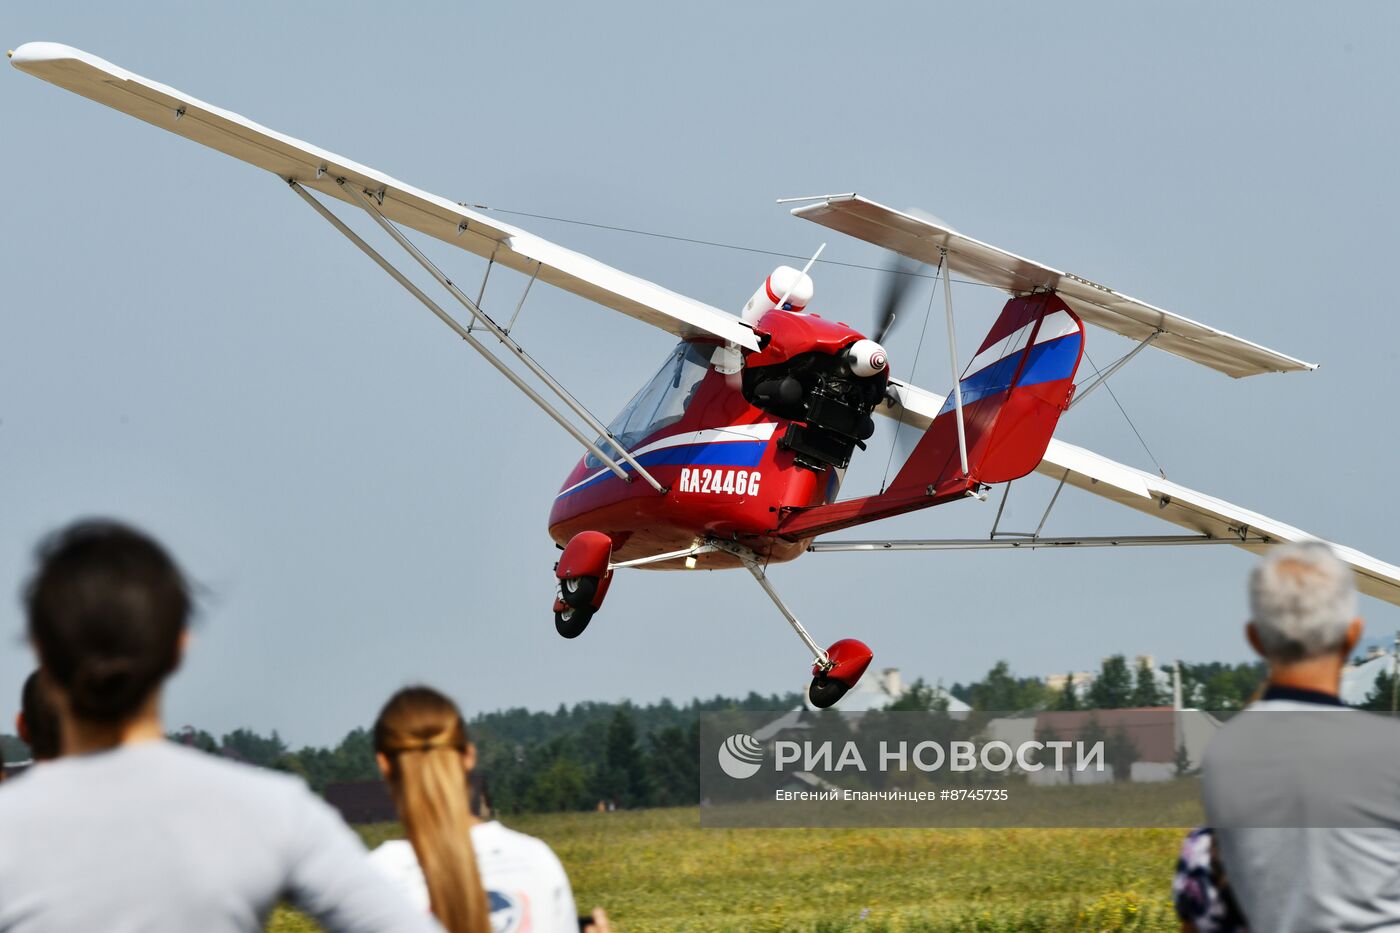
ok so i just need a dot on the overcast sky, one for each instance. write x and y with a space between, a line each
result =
183 344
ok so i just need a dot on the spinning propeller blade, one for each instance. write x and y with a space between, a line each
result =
898 282
895 287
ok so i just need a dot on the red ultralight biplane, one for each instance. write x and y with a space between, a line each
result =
732 455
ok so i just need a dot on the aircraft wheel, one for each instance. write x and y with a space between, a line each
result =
825 691
578 592
571 622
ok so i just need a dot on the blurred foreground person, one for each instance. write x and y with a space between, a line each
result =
1304 793
127 831
37 722
469 872
1201 892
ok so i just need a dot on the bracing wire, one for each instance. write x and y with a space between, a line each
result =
913 368
938 271
1160 471
718 245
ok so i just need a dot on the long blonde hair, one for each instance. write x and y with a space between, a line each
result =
422 734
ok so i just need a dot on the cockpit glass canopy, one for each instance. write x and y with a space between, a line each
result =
662 401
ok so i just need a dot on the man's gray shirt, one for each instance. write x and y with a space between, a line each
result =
1305 802
157 837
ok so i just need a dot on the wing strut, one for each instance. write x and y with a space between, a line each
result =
1030 543
759 569
466 335
953 354
481 317
1103 376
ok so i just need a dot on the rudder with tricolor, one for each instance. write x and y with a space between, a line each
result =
1013 392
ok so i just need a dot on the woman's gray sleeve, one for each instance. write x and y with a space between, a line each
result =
330 877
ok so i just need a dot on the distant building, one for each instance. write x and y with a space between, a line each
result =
1358 680
1083 680
362 801
872 693
869 694
1156 733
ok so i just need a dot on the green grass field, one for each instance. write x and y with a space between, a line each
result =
658 871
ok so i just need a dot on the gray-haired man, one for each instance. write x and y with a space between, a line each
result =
1304 794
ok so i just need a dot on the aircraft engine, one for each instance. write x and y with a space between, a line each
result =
828 395
823 375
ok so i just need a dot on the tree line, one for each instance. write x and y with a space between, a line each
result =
1211 685
641 755
574 758
1208 685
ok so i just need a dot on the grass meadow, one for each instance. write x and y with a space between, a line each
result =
658 870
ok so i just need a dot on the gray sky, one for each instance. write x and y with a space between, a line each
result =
183 344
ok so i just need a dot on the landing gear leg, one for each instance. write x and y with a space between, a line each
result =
835 670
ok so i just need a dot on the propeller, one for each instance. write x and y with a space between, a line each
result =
895 287
899 279
898 282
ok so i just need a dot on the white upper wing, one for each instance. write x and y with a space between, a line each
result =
921 239
1152 495
316 168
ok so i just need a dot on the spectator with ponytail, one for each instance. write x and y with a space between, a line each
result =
470 873
129 831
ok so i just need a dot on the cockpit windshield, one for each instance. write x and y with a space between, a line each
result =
662 401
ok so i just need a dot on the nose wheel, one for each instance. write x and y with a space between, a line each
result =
584 573
836 669
578 592
825 692
570 621
846 661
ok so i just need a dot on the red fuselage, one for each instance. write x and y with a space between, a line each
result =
727 474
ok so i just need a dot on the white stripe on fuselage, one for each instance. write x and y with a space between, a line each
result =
734 432
1055 325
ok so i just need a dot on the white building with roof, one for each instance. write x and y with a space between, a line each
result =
1358 680
878 692
872 692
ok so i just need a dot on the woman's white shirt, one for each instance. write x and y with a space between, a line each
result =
526 886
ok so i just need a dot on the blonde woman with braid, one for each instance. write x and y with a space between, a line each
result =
475 876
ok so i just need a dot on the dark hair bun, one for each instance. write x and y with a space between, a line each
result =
105 688
107 609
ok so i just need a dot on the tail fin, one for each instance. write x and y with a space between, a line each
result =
1012 392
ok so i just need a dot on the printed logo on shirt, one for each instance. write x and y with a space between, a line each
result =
509 913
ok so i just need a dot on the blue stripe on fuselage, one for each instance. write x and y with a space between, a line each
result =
722 453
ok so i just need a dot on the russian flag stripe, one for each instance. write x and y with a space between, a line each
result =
1046 362
726 453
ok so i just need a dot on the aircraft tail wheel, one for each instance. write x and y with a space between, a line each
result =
570 621
825 691
578 592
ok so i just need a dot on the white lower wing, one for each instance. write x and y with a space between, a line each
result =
1152 495
312 167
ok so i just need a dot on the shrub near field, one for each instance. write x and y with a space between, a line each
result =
657 871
